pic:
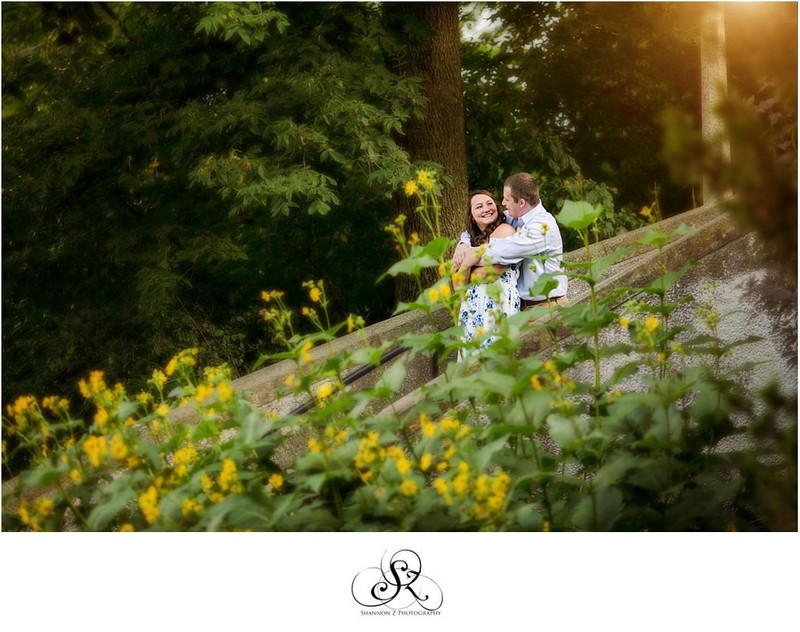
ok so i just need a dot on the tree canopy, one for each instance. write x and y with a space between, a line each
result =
163 163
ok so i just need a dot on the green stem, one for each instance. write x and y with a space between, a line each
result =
72 506
596 333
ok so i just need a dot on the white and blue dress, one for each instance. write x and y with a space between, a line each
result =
484 302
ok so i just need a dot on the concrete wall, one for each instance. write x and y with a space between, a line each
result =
712 232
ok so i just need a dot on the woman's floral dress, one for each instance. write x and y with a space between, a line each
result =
484 302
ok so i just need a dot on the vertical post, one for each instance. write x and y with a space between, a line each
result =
714 86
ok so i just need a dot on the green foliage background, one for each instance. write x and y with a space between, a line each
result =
165 162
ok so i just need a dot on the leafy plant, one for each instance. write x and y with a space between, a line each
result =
602 434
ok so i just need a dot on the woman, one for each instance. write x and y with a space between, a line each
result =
493 289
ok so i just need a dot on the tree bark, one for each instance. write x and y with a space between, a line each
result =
433 52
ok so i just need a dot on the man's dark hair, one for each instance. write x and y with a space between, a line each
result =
523 186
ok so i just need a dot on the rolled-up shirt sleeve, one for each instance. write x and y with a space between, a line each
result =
465 239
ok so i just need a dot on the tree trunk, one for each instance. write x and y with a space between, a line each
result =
440 135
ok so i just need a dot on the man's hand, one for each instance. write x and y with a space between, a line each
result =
470 257
459 254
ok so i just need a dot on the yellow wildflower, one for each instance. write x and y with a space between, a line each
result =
500 483
314 445
24 515
44 507
305 356
127 527
410 188
425 179
95 449
433 295
440 485
425 461
444 290
315 294
206 482
203 391
162 410
495 502
119 450
414 238
461 483
276 480
183 458
536 383
350 324
408 487
403 466
428 427
159 379
324 391
645 212
227 477
290 380
190 506
481 487
394 453
448 423
75 476
225 392
148 504
171 366
651 323
624 322
101 419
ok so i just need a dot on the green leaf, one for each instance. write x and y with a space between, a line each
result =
598 510
107 509
578 215
566 430
43 476
393 377
484 456
654 237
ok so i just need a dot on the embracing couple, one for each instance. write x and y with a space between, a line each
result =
503 255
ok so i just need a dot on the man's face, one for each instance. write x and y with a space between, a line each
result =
510 205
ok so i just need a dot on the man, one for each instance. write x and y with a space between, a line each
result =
537 242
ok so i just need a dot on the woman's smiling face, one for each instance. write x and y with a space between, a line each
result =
484 210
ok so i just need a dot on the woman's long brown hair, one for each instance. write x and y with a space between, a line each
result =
476 235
